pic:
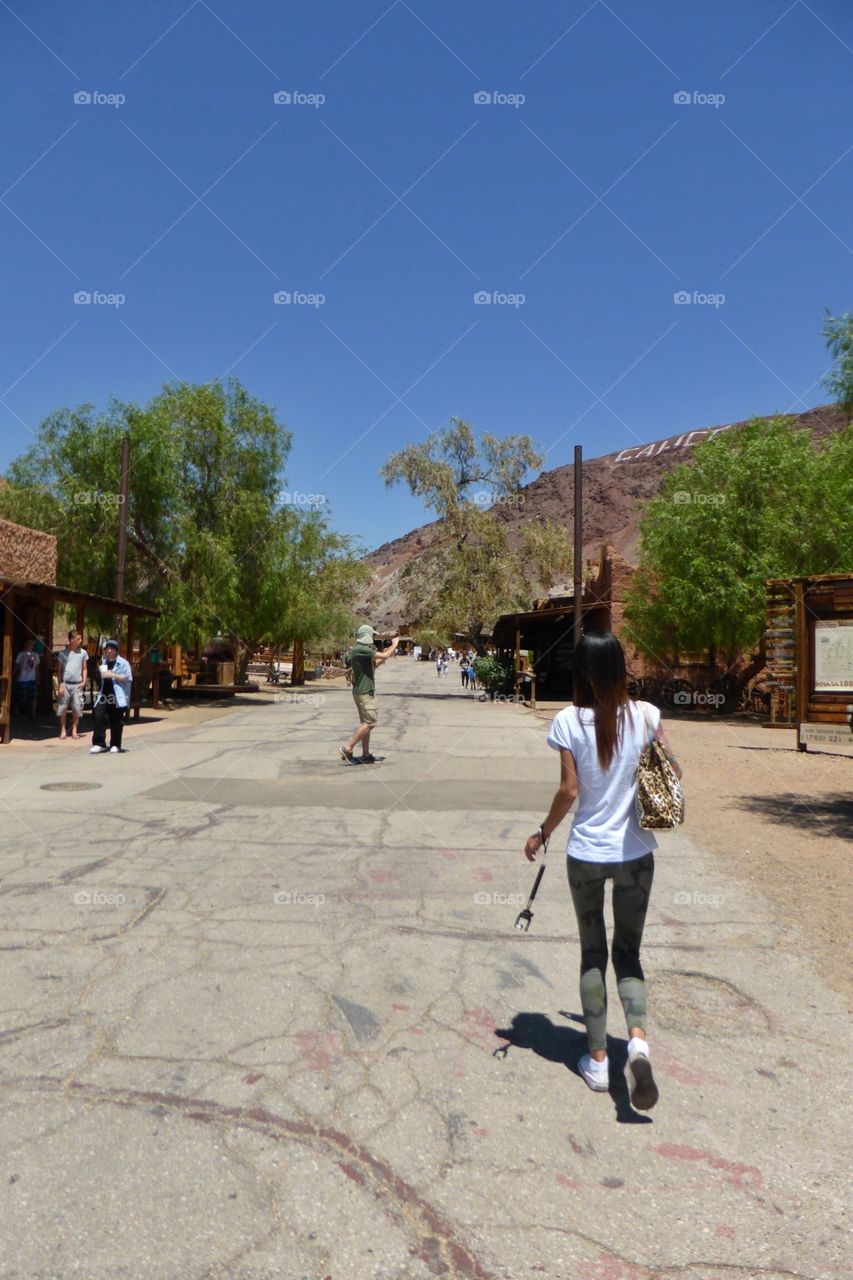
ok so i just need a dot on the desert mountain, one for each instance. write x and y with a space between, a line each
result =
614 486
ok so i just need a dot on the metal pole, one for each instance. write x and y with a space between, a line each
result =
577 630
121 556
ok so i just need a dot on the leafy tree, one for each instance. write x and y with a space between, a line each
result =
762 502
319 578
838 331
208 542
472 575
204 478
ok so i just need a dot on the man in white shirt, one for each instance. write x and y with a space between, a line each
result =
73 671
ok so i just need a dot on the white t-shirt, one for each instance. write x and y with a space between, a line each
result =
72 664
605 828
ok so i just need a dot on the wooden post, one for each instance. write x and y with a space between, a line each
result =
6 670
804 660
577 630
121 551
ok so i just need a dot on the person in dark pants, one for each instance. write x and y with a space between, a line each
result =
112 700
600 739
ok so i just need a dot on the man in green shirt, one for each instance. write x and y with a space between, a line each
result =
363 661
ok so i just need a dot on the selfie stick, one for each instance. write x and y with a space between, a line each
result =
525 916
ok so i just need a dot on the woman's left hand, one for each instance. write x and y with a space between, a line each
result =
532 847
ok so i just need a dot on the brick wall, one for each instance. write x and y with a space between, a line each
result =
27 554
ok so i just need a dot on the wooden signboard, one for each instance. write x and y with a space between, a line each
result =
810 643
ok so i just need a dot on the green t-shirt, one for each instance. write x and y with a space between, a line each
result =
361 661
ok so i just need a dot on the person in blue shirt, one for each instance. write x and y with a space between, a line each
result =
112 698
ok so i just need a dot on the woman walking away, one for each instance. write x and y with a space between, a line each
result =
600 739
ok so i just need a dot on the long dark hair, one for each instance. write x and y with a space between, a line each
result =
601 682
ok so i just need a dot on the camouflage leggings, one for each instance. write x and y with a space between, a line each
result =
632 883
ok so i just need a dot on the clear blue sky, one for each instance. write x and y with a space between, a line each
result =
400 197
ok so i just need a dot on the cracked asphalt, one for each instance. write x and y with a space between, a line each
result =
266 1015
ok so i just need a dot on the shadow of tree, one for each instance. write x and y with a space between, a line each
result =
822 815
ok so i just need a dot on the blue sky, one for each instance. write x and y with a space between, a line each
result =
581 198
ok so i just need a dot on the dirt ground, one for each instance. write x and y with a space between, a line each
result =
780 819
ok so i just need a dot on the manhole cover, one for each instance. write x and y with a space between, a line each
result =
70 786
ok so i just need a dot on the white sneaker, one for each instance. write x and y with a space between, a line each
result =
596 1074
96 751
641 1081
114 750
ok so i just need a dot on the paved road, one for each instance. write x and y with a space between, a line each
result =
266 1016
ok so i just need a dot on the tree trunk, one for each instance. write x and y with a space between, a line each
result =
242 654
298 674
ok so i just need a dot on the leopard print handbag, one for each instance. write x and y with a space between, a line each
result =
660 795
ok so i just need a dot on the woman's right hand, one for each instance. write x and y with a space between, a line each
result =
532 846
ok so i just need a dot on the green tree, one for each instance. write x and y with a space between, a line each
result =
473 575
205 472
319 576
762 502
838 331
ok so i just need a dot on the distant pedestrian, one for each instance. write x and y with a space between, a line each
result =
472 676
463 671
112 699
444 664
363 660
73 671
600 739
25 678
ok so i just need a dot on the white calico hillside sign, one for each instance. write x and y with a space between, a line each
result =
685 441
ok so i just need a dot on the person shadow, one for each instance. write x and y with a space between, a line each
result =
565 1046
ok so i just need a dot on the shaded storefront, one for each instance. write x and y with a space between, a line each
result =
29 595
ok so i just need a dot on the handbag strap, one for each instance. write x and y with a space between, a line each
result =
649 724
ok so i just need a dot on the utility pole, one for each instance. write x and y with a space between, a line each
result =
577 630
121 555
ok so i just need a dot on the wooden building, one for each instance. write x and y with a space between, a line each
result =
29 595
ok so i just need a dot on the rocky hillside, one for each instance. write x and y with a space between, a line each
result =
613 486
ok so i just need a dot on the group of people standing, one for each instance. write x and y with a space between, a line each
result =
442 659
112 679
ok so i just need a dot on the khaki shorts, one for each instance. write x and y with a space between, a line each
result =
368 712
71 697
